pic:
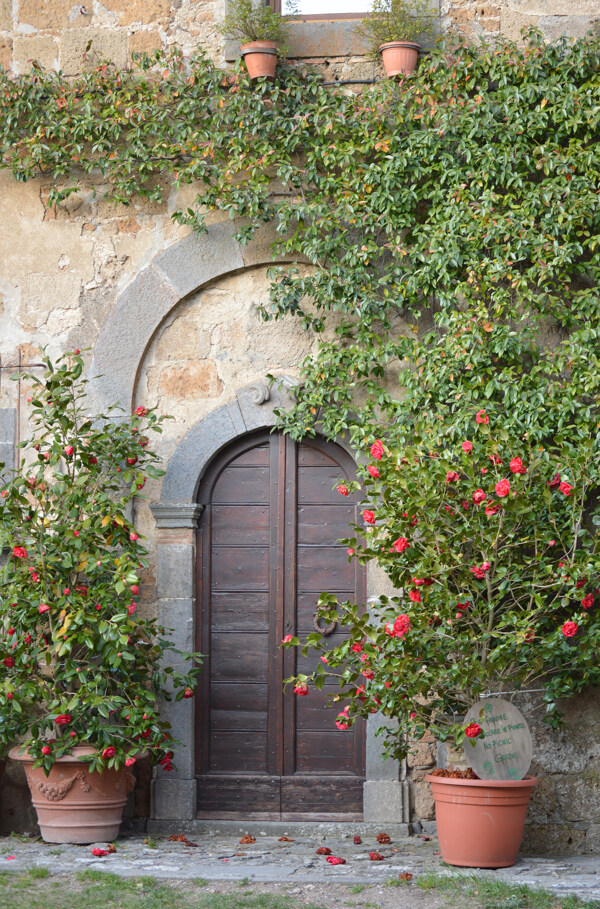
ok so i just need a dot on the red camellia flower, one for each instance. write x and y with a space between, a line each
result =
350 552
517 466
19 552
141 411
9 662
92 459
451 476
376 856
473 730
373 471
479 496
565 488
63 719
301 690
133 536
132 608
323 850
188 693
467 447
109 752
502 488
357 841
135 589
343 490
43 607
287 639
401 544
588 601
377 450
554 483
69 450
414 595
335 860
9 695
357 648
342 721
129 762
495 459
132 460
368 516
99 852
569 629
46 749
492 508
401 625
481 417
480 571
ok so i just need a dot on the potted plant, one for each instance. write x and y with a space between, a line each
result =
84 670
391 28
490 537
263 33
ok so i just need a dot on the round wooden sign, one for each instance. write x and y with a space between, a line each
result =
504 752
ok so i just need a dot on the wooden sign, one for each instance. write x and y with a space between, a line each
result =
504 753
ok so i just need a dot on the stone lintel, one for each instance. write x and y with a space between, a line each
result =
176 516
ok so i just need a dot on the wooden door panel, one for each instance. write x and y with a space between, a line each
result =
317 485
239 657
238 707
324 524
243 486
240 525
242 611
306 607
239 568
324 568
238 796
322 796
324 752
238 752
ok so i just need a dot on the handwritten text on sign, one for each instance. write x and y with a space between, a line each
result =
504 753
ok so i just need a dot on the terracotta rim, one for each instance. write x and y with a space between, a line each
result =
526 782
409 44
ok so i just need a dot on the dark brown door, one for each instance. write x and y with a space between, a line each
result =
267 548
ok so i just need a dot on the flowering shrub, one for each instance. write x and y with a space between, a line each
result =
82 667
493 548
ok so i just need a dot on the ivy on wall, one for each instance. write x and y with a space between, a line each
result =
452 219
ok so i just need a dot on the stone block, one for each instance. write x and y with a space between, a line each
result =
5 15
555 27
512 23
421 755
552 839
5 53
423 804
52 14
176 570
382 802
378 767
173 798
178 615
143 11
195 260
106 44
191 381
41 49
144 42
592 839
554 7
8 437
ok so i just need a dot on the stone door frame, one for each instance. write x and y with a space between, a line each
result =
181 270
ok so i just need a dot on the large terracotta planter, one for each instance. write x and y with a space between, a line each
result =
260 58
399 57
74 805
479 822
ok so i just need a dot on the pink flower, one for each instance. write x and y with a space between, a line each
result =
481 417
565 488
350 552
401 625
480 571
133 536
588 600
467 447
517 466
69 450
9 662
46 749
401 544
357 648
479 496
141 411
132 461
63 719
473 730
75 533
334 860
492 508
287 639
373 471
377 450
451 476
43 607
301 690
554 483
495 459
414 595
99 852
569 629
109 752
502 488
129 762
343 490
376 856
368 516
135 589
132 608
342 721
92 459
552 543
188 693
19 552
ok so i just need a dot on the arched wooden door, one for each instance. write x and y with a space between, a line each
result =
267 548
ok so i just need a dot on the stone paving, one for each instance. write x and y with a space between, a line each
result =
214 853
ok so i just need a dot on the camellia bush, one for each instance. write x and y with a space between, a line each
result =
493 544
81 666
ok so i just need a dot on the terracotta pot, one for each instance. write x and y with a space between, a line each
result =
399 57
260 58
480 822
74 805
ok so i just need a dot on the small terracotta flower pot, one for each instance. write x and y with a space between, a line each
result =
480 822
399 57
260 58
74 805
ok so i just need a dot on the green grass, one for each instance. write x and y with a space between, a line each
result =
94 889
490 894
357 888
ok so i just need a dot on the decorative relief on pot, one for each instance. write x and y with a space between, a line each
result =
55 792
